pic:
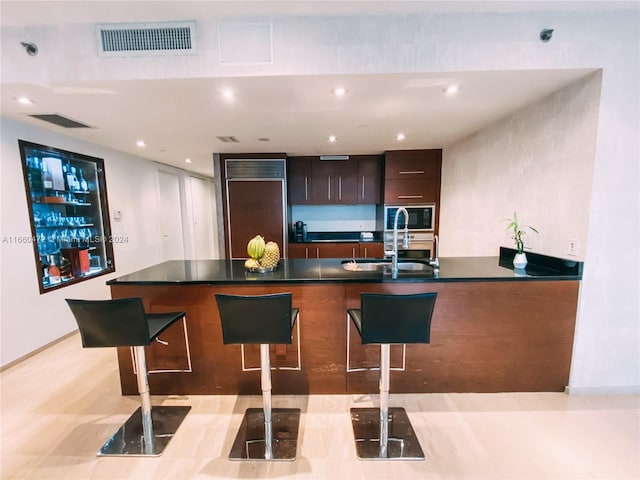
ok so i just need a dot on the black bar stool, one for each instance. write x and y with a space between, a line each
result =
124 323
386 433
266 433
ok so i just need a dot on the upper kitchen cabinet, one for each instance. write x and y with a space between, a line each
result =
334 181
369 179
412 176
299 180
356 179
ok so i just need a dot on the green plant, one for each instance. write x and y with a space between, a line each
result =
517 232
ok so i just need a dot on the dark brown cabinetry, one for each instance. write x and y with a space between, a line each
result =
356 180
324 250
336 250
334 181
369 179
412 176
253 186
299 180
372 250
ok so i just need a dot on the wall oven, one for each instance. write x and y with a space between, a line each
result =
420 244
421 217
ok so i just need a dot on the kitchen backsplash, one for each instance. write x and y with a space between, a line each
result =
335 218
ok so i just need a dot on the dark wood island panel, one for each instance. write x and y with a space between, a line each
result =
486 337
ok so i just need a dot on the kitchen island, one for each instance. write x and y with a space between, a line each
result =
493 330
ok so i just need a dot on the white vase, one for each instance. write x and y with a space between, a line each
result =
520 260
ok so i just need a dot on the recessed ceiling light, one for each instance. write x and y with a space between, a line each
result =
187 160
227 94
339 91
141 143
400 136
451 90
332 138
25 100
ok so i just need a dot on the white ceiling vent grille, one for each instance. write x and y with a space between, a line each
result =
141 39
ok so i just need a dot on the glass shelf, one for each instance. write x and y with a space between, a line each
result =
67 199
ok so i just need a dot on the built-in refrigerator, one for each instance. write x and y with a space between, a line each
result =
255 203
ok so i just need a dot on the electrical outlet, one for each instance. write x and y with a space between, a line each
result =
573 247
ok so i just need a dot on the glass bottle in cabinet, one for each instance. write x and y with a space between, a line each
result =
67 199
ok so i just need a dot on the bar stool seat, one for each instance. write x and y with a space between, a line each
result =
386 433
265 433
124 323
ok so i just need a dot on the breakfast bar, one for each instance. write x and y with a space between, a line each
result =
494 329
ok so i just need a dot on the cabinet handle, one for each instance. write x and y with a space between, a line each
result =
317 252
411 172
329 188
306 190
365 252
340 188
353 252
306 252
410 196
362 187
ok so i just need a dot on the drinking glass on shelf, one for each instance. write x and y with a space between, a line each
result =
53 241
42 243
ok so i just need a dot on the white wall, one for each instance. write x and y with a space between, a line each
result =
537 162
607 340
29 319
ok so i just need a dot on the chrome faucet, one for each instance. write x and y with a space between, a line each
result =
434 262
405 242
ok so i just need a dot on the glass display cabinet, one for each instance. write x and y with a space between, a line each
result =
67 199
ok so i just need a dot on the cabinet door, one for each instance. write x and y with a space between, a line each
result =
412 164
372 250
254 206
369 180
322 189
299 180
412 176
345 181
298 250
410 190
338 250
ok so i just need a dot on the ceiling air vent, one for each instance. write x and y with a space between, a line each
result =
138 39
228 139
258 168
59 120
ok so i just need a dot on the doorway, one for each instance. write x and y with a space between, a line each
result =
171 229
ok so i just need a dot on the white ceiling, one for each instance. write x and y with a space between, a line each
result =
181 119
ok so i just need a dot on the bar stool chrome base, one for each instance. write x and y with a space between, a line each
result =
402 443
130 439
250 441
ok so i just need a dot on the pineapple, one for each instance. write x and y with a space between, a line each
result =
271 255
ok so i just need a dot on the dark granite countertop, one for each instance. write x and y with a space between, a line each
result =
452 269
337 237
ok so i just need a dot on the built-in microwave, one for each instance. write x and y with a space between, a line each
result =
421 217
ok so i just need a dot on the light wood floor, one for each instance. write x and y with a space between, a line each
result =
60 406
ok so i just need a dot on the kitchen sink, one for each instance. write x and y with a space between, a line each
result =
367 266
384 265
414 267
